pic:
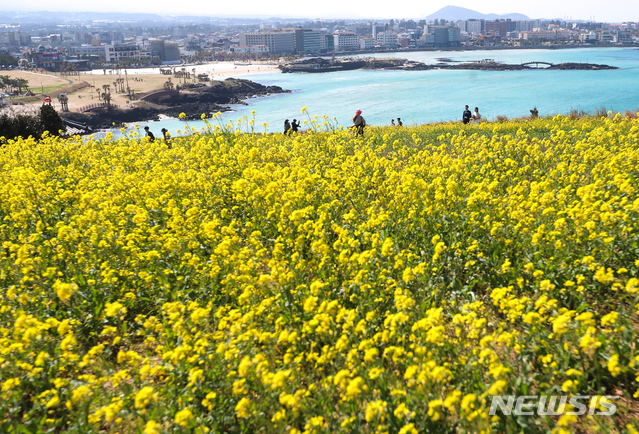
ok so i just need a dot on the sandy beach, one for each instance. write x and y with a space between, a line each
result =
82 90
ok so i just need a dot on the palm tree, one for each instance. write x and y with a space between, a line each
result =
106 95
107 98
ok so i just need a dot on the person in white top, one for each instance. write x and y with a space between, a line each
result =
476 116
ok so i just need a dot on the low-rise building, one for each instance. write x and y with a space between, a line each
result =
588 38
259 49
366 43
103 52
125 52
538 36
241 49
605 37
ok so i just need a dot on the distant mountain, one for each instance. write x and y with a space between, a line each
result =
456 13
54 17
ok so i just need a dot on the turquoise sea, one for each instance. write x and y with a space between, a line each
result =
440 95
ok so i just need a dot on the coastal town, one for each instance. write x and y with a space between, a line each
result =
114 68
71 44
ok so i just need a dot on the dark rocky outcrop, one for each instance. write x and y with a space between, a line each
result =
192 101
322 65
582 66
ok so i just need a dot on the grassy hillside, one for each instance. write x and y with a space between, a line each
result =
322 282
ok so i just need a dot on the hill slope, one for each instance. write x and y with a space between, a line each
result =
321 282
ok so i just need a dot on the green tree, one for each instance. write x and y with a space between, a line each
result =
51 120
20 83
6 59
20 125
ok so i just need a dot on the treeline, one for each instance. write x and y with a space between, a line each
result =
7 59
25 125
9 83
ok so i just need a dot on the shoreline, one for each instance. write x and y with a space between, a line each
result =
82 90
190 102
479 48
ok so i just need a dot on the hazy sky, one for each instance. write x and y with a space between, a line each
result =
613 11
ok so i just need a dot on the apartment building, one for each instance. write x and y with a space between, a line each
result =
387 39
345 40
500 27
306 40
277 41
474 27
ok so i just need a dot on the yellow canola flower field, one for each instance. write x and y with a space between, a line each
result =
322 282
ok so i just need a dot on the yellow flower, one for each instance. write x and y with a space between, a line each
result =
53 402
613 365
408 429
152 427
144 397
184 417
64 290
376 410
609 319
80 393
632 286
114 309
242 408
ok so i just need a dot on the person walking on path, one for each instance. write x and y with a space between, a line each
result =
149 134
287 126
399 122
359 123
466 115
295 125
476 116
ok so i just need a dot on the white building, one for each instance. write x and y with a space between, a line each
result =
241 49
387 39
125 52
605 36
277 42
527 25
259 49
366 43
473 27
589 38
102 51
345 40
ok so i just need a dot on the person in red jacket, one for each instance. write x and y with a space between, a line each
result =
359 123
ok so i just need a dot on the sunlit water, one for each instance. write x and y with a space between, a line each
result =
440 95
